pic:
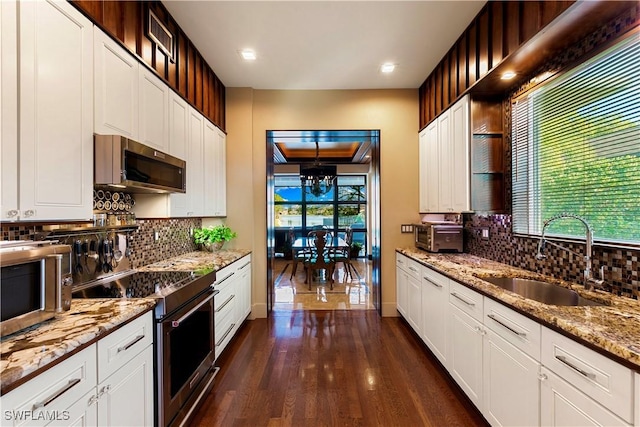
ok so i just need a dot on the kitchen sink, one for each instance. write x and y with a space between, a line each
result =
543 292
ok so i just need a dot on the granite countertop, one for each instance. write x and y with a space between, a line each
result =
28 352
613 328
198 260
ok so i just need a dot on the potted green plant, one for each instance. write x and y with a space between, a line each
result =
212 238
355 249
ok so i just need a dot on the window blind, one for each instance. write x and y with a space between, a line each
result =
576 149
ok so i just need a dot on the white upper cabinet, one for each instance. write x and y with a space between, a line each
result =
56 105
195 164
153 111
215 171
459 148
444 161
9 110
116 88
429 169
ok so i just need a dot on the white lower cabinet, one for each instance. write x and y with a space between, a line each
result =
233 304
510 384
71 393
564 405
414 314
435 311
464 353
126 397
402 284
515 371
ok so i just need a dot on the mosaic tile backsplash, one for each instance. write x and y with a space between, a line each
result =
174 238
621 266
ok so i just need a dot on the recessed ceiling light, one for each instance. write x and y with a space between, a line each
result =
248 55
388 67
508 75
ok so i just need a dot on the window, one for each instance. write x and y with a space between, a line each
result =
344 206
576 149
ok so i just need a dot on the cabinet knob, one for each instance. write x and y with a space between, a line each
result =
12 213
543 377
29 213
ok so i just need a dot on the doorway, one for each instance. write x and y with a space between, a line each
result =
287 152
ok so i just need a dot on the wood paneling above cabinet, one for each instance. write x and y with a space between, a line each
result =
507 35
187 72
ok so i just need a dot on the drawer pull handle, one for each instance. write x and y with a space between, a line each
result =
219 282
413 269
437 285
248 263
469 303
57 394
495 319
225 334
130 344
575 368
225 303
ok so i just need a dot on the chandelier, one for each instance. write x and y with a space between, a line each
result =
317 179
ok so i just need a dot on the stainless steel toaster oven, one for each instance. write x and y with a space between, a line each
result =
439 237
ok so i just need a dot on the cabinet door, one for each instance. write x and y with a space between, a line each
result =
116 88
445 152
245 282
435 295
220 173
195 165
563 405
126 397
429 168
510 384
178 147
153 118
422 180
414 304
459 152
9 111
464 353
402 283
209 171
56 106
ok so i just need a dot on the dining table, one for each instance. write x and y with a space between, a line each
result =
303 243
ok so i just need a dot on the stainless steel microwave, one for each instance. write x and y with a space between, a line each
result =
124 163
439 237
36 283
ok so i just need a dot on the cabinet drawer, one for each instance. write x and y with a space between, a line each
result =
402 261
121 346
223 332
226 299
466 299
434 277
54 390
414 269
602 379
515 328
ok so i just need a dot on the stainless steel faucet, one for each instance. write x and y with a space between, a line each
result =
589 281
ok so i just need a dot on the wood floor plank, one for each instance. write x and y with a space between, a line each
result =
332 368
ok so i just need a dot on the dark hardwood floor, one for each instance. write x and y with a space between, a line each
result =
332 368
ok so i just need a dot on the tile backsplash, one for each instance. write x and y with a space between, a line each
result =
622 265
174 238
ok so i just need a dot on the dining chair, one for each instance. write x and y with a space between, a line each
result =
298 255
343 254
319 242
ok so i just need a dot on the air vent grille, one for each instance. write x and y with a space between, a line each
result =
160 35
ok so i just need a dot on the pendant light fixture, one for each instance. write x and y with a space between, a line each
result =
317 179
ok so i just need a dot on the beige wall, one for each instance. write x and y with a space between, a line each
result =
250 113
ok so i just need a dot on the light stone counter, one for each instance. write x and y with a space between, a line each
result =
612 329
198 260
33 350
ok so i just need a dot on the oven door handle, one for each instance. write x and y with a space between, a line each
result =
176 323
